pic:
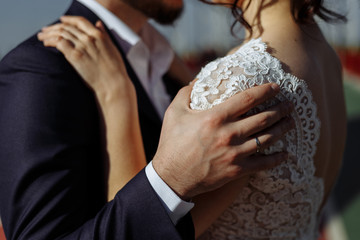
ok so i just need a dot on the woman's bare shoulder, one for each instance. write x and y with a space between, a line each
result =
304 59
233 50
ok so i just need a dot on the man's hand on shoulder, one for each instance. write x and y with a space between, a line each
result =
200 151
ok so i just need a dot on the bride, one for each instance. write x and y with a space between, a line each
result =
283 45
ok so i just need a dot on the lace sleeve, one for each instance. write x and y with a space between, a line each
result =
224 77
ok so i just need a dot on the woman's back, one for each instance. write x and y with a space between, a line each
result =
284 202
306 54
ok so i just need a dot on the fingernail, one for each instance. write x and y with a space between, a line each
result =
39 35
275 87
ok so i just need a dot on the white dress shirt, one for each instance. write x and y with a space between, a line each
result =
150 55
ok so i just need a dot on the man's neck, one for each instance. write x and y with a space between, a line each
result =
130 16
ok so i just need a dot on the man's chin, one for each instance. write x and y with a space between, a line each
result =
168 18
162 11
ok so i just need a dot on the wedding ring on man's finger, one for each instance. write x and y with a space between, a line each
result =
258 145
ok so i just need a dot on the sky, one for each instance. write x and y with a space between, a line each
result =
21 18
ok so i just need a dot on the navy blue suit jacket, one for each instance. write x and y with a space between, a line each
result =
52 162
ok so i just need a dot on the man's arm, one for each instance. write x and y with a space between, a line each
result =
52 173
135 213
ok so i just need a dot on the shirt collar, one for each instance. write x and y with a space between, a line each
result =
112 21
150 51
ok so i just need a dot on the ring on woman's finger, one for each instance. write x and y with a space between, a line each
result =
258 145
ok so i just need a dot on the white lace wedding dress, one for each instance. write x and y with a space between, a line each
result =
282 203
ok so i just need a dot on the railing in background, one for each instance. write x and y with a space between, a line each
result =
2 235
350 58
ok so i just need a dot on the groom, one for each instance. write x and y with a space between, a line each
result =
52 172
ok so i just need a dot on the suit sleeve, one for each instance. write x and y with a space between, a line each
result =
51 163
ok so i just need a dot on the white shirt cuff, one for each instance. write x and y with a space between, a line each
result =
175 206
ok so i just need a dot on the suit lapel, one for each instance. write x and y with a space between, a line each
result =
144 103
145 106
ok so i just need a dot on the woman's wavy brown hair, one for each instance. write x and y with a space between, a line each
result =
303 12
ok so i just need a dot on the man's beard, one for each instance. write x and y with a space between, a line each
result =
156 10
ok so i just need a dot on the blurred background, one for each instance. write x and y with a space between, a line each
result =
202 34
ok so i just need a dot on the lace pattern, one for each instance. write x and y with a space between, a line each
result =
281 203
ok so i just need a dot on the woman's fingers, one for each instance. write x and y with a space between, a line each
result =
100 26
90 51
94 38
82 24
57 34
64 28
81 40
90 34
63 45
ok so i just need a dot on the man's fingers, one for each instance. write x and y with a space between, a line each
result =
254 124
257 163
267 137
276 132
242 102
183 96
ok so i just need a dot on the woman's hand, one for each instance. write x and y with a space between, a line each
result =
93 55
91 52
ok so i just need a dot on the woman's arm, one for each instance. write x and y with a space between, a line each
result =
123 138
90 50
